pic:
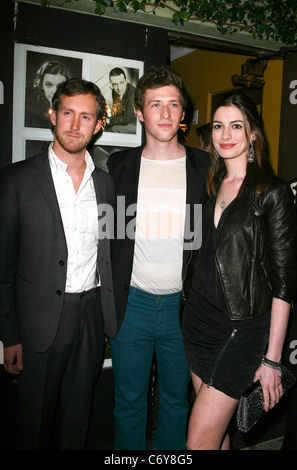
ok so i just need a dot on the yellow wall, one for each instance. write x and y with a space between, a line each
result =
209 72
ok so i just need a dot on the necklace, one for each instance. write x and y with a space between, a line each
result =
223 202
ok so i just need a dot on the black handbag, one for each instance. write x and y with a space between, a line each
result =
251 403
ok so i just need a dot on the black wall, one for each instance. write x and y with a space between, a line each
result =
6 77
51 27
287 166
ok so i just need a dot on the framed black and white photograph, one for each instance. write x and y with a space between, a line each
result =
117 79
37 73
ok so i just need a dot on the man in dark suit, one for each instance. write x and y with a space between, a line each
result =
166 180
54 308
122 119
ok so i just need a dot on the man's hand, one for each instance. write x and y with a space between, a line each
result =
13 362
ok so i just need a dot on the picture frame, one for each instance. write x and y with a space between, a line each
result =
31 103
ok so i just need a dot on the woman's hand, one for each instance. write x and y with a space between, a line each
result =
270 380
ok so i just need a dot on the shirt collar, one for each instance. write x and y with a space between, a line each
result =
57 165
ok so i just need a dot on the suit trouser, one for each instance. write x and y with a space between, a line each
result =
62 377
151 323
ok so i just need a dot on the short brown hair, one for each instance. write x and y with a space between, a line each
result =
79 86
158 76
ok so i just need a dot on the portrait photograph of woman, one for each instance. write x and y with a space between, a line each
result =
44 73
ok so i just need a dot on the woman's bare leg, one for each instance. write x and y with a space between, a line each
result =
211 414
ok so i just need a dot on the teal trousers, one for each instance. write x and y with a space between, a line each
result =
151 323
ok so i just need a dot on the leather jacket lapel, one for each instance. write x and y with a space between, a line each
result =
244 209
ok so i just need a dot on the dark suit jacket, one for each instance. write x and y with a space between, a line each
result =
124 167
33 255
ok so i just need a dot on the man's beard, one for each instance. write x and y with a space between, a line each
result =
72 146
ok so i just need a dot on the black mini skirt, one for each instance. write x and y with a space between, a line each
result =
223 353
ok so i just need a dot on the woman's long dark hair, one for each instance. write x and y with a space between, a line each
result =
259 173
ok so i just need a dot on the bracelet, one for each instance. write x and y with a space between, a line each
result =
272 364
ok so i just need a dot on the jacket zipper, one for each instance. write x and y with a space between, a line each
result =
252 273
252 286
234 331
266 275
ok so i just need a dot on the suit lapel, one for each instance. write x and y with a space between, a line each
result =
130 177
128 186
100 189
43 177
105 211
195 179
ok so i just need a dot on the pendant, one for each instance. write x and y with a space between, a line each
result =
222 204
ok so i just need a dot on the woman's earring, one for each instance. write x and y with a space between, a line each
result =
217 156
251 154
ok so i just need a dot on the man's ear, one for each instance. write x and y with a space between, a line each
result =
97 127
139 115
53 117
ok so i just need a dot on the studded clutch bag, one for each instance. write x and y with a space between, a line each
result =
251 403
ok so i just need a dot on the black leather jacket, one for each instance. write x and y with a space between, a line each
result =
256 251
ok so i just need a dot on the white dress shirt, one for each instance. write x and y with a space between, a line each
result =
80 220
